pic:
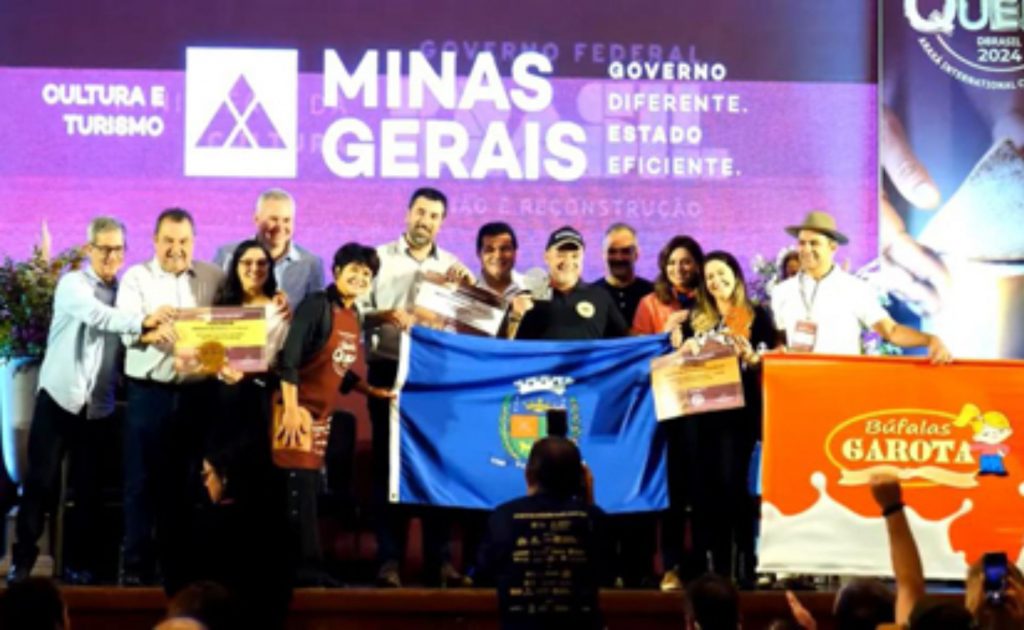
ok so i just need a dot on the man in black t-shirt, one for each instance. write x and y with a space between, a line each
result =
545 551
570 309
621 252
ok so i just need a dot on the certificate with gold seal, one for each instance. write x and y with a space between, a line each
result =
684 384
209 338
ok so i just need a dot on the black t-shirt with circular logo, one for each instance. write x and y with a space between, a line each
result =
583 312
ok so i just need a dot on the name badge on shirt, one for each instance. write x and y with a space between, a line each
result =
805 334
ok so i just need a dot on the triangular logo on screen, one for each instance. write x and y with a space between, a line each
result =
241 108
241 121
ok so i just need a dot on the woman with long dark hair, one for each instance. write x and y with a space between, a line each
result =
247 511
724 511
664 310
675 288
244 409
250 281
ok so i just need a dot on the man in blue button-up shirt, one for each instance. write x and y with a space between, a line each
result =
76 383
298 272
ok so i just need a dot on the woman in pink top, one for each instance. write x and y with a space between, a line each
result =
679 275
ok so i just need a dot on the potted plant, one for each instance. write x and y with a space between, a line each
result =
26 309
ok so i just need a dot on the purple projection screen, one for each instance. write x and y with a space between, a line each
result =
697 134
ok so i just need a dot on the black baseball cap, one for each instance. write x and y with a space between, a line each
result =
565 235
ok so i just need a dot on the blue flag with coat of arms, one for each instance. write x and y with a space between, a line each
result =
469 409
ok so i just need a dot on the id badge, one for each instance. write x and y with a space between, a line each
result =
805 334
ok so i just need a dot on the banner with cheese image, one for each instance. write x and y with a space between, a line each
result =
950 433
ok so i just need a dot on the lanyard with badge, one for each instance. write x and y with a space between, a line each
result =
805 333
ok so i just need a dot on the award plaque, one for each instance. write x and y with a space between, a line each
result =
684 384
443 305
209 338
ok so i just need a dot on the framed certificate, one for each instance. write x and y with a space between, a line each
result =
443 305
684 384
209 338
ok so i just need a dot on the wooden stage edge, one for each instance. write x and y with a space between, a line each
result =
141 608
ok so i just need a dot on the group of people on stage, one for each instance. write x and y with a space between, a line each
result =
240 433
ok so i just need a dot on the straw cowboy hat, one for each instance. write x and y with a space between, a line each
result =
818 221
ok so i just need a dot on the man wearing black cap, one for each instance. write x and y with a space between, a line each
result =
570 309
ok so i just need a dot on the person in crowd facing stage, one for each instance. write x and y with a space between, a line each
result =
723 510
297 271
824 309
241 532
574 310
621 252
675 289
323 343
180 623
936 614
76 386
166 411
207 603
33 604
912 607
387 315
712 603
862 604
496 247
552 580
988 613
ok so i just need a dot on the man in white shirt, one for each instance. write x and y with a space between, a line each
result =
76 383
387 315
166 411
496 247
824 309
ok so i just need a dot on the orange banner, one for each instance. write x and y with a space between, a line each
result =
952 433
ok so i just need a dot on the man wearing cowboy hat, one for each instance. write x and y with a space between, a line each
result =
824 309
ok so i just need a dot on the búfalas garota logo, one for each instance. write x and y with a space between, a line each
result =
923 447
